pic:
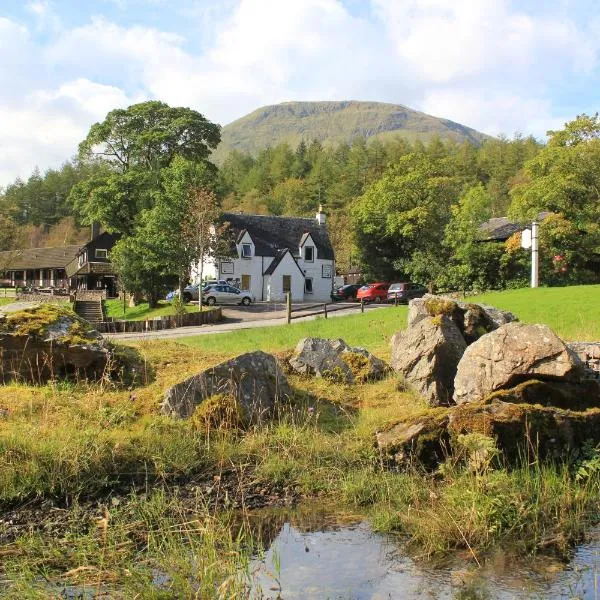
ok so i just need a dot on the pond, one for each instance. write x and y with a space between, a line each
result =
348 561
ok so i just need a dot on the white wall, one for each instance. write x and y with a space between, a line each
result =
322 286
274 283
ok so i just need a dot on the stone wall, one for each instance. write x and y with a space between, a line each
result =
158 323
589 353
54 298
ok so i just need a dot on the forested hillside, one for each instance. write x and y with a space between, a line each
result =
333 123
396 208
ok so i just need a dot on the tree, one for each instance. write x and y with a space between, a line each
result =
137 143
399 221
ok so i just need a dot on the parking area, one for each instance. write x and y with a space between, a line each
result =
260 311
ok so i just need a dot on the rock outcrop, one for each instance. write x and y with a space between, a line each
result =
473 320
511 354
49 341
335 360
254 380
427 354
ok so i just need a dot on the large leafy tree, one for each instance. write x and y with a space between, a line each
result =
400 220
138 143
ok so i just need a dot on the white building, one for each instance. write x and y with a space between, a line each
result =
276 255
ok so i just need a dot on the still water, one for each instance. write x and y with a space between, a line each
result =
351 562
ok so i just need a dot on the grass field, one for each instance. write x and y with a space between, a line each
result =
64 444
114 309
574 313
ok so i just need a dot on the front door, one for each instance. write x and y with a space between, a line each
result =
245 283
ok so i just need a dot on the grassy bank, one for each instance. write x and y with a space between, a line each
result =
85 447
114 309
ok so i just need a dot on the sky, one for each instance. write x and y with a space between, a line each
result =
500 66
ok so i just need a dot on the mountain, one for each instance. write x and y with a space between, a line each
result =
334 122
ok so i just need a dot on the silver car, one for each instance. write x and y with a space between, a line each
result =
226 294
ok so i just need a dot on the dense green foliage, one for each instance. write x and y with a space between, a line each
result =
397 208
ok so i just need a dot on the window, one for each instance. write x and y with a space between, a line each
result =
309 253
287 283
101 253
81 259
246 250
308 289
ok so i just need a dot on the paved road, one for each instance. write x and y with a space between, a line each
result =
233 322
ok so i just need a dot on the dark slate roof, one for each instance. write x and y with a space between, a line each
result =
270 234
498 229
275 263
38 258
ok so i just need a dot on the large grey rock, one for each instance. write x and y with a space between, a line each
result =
40 342
473 320
510 355
255 380
427 355
589 354
423 441
334 359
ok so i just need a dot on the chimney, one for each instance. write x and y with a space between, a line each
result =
95 231
321 216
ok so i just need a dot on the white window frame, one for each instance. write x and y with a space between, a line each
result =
243 253
101 250
312 252
312 288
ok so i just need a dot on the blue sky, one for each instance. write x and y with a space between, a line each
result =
496 65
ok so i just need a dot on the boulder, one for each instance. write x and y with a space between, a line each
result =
524 430
427 355
423 441
255 380
570 395
589 354
510 355
473 320
334 359
41 342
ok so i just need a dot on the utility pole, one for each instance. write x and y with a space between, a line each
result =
535 265
529 239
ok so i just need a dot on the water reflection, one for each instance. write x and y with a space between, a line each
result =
349 562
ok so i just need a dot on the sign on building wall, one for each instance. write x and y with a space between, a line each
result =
226 268
326 271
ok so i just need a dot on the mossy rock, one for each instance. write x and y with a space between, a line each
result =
220 411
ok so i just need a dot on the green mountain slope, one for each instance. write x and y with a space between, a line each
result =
334 122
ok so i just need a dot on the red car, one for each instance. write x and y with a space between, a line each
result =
373 292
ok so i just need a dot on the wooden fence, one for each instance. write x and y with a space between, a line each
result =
317 309
205 317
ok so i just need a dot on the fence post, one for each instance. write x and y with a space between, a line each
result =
362 305
288 303
325 310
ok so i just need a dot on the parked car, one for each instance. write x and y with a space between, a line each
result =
191 292
346 292
373 292
226 294
405 291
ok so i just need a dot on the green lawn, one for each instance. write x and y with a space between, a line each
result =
7 300
573 312
114 309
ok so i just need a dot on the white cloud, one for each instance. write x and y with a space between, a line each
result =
489 65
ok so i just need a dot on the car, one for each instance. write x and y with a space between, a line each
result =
373 292
191 292
405 291
346 292
226 294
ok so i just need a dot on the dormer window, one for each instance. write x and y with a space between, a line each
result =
309 254
246 250
101 253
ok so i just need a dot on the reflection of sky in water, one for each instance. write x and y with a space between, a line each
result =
353 563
